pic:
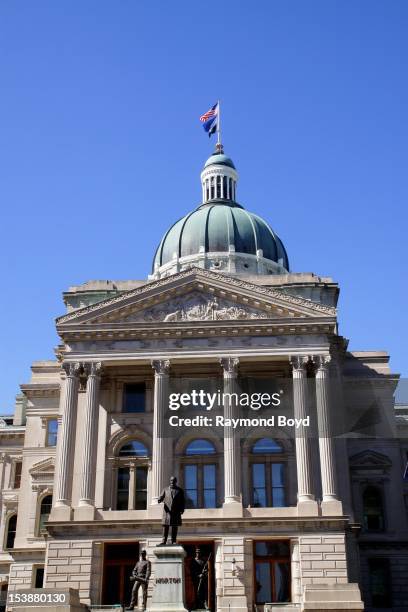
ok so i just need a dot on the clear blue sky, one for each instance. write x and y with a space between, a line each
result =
101 148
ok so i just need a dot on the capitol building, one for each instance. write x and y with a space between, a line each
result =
288 522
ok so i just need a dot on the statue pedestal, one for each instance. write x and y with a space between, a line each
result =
168 587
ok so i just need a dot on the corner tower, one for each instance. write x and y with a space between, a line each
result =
220 234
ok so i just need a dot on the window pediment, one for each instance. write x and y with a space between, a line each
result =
369 460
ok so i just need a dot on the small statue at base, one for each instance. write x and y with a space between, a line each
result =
173 507
140 576
199 575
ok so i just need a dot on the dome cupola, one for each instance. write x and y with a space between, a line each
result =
219 177
220 234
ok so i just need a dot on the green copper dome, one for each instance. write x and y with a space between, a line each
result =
220 234
220 159
220 227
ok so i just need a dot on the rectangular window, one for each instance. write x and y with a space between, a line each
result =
52 430
122 500
278 487
39 578
141 488
380 583
209 488
191 485
259 485
17 475
134 397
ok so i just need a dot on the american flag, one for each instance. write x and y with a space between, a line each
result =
210 113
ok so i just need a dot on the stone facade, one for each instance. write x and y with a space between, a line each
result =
307 519
110 344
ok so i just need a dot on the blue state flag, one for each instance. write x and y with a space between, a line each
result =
210 120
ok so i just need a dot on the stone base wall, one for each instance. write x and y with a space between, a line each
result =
323 559
316 560
74 564
21 576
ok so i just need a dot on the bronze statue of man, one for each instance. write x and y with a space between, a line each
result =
140 577
173 507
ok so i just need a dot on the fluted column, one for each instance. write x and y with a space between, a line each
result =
303 449
232 455
160 460
87 494
326 445
66 446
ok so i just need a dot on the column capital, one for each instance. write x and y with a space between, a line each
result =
321 362
72 369
161 366
230 365
299 362
93 368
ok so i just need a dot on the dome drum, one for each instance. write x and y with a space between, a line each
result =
231 262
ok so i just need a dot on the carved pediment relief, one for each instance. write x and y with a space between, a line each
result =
196 306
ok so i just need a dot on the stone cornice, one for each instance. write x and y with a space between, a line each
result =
205 276
11 431
40 389
219 526
186 329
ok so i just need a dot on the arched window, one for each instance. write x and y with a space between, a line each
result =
11 531
45 511
131 489
266 445
267 474
373 510
134 448
200 447
200 474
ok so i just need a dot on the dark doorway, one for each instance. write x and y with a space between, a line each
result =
118 563
207 552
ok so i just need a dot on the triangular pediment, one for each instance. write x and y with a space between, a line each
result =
369 459
42 468
196 295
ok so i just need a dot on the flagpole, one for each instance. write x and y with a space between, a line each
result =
219 125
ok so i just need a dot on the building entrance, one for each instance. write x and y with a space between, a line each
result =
198 590
119 561
121 557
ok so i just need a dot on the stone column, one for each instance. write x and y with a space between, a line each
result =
89 442
330 501
160 460
305 498
232 454
66 443
3 461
